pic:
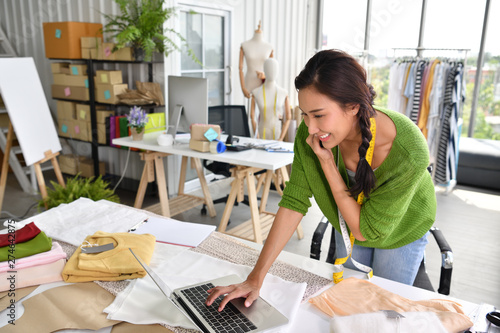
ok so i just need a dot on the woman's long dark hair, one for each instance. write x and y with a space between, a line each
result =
340 77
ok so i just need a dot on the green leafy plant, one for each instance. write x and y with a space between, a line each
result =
77 187
141 26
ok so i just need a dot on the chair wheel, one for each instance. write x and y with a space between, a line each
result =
204 211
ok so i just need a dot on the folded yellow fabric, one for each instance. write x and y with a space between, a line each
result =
353 296
113 265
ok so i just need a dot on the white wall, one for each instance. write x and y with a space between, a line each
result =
288 25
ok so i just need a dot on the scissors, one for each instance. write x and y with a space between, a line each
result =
493 317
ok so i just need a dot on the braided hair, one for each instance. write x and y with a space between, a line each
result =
341 78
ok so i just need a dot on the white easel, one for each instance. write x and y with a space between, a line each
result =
30 118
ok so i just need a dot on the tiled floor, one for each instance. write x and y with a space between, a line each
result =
469 218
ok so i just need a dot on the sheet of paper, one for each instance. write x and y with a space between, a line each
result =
172 231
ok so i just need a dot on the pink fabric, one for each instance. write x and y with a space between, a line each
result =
43 258
33 276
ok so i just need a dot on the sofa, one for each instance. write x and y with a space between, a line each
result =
479 163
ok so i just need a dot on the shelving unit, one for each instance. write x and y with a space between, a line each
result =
91 63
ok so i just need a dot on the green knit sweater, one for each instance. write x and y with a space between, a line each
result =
401 207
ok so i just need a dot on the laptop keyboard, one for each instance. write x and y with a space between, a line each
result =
228 321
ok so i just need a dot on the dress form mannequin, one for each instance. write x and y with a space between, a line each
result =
254 51
275 114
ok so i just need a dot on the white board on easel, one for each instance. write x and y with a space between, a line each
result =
27 107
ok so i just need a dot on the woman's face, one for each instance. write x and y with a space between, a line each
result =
326 119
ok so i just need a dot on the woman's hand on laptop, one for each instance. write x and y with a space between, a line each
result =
246 289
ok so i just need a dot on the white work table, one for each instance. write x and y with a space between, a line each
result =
246 163
308 318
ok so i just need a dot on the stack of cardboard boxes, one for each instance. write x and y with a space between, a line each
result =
70 81
108 85
72 164
94 48
199 140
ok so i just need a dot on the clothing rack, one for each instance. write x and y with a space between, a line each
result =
438 148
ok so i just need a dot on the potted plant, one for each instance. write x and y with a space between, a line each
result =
77 187
141 26
137 120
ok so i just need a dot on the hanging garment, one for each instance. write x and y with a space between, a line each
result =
416 96
448 139
436 104
410 88
425 107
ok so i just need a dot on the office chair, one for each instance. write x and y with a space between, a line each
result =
233 120
421 280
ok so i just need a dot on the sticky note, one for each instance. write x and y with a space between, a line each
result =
107 51
83 114
104 78
74 70
64 129
107 94
77 129
67 91
86 83
58 33
211 134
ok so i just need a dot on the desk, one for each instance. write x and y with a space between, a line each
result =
247 163
307 314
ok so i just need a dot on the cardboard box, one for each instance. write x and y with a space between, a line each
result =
101 133
76 69
90 42
82 112
82 130
59 79
60 67
69 163
103 114
203 146
70 92
86 53
62 39
71 80
107 93
107 51
96 54
198 131
108 77
86 168
66 110
124 54
66 128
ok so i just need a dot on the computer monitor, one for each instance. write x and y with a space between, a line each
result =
187 102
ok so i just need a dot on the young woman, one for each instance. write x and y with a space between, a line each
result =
346 148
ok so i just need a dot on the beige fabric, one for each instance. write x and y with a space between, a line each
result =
76 306
16 294
353 296
125 327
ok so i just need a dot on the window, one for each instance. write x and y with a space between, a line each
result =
206 33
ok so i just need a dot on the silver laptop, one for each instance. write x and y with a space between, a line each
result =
235 317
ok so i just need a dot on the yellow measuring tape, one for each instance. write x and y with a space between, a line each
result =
265 111
338 268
